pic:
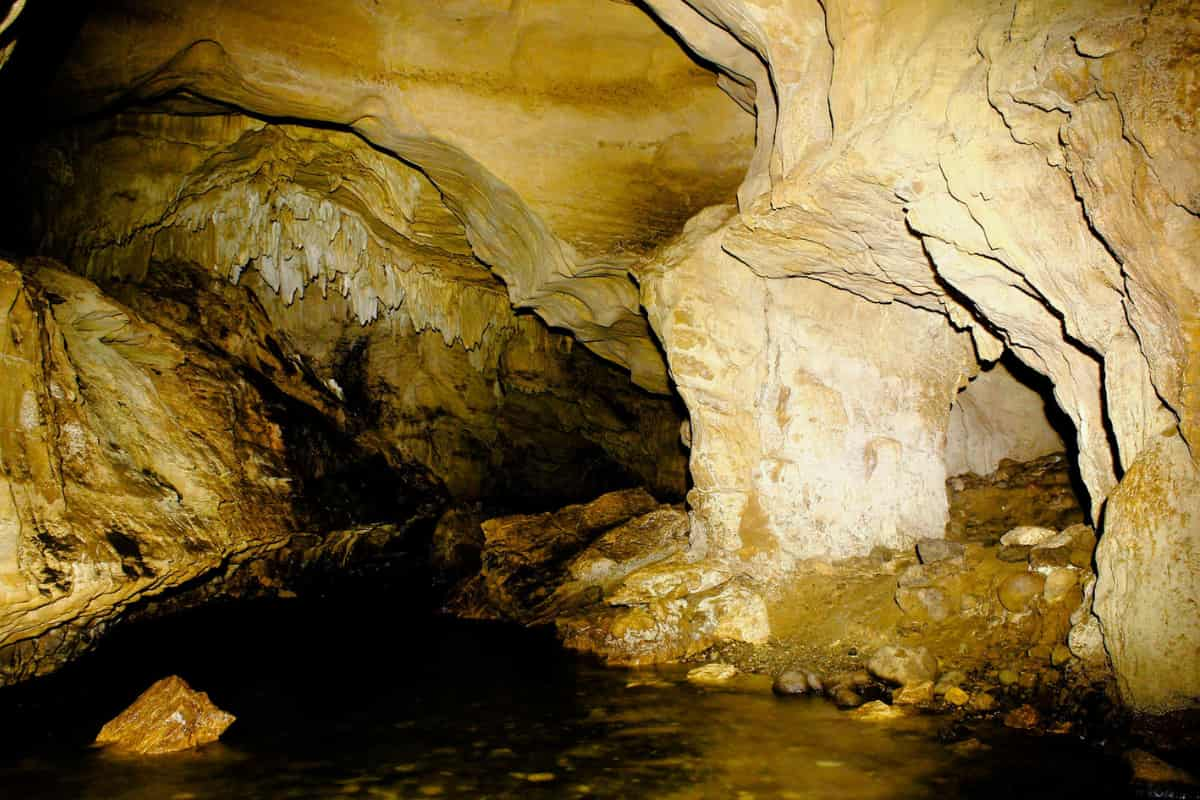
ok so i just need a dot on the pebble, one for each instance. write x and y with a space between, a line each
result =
913 694
1060 655
1027 536
904 665
715 673
845 697
1041 557
930 550
956 696
982 702
948 681
927 601
1007 677
877 710
1017 592
1022 718
1059 583
791 682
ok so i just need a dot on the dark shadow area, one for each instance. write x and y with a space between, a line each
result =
45 32
1059 420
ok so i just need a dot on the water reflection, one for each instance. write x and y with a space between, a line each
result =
330 706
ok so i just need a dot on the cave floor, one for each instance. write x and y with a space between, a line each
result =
332 701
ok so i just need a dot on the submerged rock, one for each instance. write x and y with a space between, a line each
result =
168 717
709 674
1153 777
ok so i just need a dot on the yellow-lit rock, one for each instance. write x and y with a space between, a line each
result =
168 717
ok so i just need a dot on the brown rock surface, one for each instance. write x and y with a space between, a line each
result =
168 717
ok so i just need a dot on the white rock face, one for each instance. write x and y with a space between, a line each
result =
994 418
813 432
1016 170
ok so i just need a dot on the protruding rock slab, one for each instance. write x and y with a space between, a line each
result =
168 717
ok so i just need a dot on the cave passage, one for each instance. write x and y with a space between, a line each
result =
671 399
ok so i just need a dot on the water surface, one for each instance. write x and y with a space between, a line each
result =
355 697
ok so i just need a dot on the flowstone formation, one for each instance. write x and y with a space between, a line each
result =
864 269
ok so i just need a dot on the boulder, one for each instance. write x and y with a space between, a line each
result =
168 717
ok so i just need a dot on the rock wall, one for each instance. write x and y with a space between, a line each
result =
813 435
1016 170
135 459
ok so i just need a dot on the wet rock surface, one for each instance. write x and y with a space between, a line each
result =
168 717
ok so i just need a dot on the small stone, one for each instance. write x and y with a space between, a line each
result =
904 666
1059 583
877 711
1018 591
167 717
815 683
1087 642
1013 553
791 682
956 696
982 702
948 681
1080 537
1027 536
913 694
1007 677
854 680
715 673
540 777
1060 655
1028 680
1022 718
930 550
1039 652
1046 557
845 697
